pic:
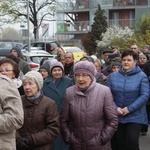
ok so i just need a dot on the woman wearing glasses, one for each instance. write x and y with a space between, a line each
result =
9 68
88 117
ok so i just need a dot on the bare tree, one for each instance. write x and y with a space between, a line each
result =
12 11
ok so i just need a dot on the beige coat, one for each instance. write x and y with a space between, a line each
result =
11 113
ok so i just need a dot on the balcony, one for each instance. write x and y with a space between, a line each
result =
80 27
130 2
65 6
77 27
123 23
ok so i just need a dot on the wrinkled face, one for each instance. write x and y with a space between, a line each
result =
13 52
83 80
30 87
57 72
142 59
69 58
128 62
44 73
7 69
115 68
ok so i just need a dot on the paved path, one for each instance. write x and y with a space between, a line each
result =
145 141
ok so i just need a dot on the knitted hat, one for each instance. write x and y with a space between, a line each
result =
17 49
45 67
34 76
115 63
85 67
146 46
56 64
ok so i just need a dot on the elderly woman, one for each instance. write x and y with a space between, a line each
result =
44 70
88 117
55 87
130 89
9 68
41 120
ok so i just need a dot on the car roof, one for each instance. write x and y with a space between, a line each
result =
43 42
36 53
72 49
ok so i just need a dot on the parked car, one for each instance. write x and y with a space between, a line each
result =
4 52
33 58
10 45
48 46
77 52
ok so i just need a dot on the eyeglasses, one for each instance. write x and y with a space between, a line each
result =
6 71
81 75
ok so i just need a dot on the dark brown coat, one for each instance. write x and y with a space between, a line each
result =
41 122
88 120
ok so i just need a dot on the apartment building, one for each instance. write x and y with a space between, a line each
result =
75 17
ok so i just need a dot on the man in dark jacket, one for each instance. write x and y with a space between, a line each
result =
69 62
22 65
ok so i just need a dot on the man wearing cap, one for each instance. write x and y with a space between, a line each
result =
88 117
22 65
106 53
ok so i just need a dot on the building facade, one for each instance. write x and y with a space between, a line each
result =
75 17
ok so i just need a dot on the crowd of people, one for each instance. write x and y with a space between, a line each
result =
91 104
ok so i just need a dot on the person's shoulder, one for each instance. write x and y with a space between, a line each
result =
71 88
21 61
100 86
5 78
48 100
67 78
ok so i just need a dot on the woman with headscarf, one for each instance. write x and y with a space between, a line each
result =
41 119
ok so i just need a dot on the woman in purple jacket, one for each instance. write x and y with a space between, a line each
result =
88 116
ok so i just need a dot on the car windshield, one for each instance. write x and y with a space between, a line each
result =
37 59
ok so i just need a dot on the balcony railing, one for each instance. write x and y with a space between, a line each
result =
84 26
122 22
80 26
130 2
72 5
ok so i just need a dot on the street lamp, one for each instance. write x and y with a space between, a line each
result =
28 26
